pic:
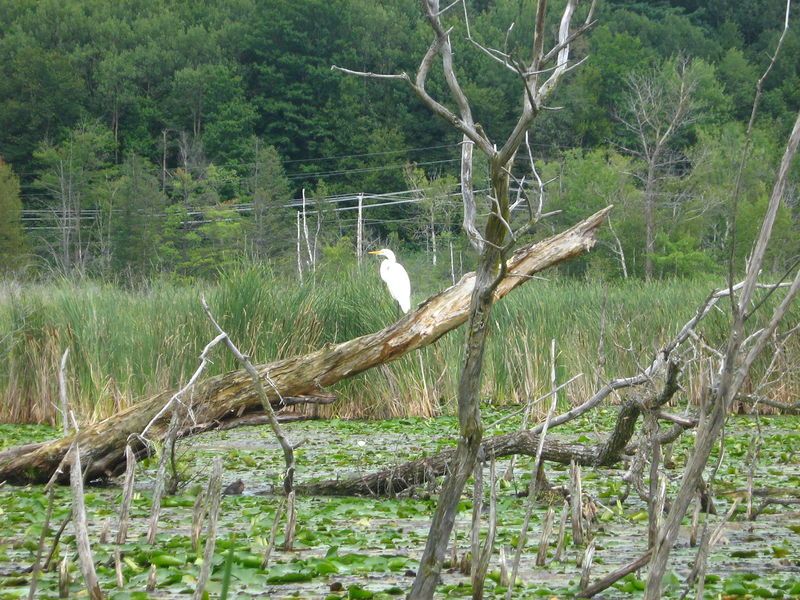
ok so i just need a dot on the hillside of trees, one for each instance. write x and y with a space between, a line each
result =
141 137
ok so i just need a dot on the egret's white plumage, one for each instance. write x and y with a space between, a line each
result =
396 278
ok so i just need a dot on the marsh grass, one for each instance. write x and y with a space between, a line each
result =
130 343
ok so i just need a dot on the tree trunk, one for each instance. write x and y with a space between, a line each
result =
469 384
649 220
231 395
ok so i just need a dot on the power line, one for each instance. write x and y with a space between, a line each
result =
307 160
322 174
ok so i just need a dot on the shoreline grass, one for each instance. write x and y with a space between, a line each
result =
131 343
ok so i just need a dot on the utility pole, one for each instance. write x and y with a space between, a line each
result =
164 161
360 231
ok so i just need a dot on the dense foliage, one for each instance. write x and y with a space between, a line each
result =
173 137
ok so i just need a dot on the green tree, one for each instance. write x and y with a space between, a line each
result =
116 76
739 77
709 189
39 93
272 226
598 91
588 181
137 221
785 245
208 100
12 237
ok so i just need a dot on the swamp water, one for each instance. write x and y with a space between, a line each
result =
369 545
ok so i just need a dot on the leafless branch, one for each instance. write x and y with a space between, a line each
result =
370 75
178 396
277 430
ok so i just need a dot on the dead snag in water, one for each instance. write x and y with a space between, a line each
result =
85 558
214 497
576 498
544 541
277 430
124 513
482 555
159 485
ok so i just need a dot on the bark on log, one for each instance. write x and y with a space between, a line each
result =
232 395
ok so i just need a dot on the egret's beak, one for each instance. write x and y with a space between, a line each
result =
375 252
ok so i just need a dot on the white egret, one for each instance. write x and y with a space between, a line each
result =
396 278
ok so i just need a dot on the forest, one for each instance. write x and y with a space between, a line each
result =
143 138
348 299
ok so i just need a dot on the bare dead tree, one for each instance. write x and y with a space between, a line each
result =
498 237
736 363
657 109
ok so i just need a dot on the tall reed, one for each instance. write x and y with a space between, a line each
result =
125 344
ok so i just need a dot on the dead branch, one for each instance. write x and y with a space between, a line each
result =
612 578
62 392
277 430
531 442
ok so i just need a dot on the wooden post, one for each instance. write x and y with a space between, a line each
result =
562 530
477 507
161 478
310 262
360 231
85 558
299 260
152 580
198 516
63 577
586 565
652 529
273 533
124 512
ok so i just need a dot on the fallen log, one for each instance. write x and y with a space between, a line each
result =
395 479
231 395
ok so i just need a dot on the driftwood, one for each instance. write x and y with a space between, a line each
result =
231 395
